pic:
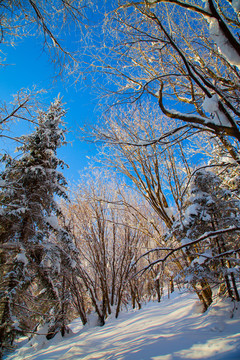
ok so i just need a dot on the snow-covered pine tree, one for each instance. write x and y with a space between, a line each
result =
225 166
210 207
33 245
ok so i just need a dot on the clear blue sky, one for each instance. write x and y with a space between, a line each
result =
29 66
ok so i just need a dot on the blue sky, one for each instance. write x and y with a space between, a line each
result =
29 66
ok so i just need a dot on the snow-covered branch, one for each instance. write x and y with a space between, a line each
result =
204 237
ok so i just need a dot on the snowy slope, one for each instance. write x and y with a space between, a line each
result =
171 330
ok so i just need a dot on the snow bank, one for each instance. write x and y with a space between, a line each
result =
171 330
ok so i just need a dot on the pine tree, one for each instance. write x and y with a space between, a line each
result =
33 244
209 207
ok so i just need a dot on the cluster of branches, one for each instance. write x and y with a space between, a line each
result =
194 193
110 233
177 52
186 55
49 20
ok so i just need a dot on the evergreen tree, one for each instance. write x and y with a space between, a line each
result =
34 246
208 208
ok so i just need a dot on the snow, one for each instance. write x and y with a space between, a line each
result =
22 258
73 264
53 222
186 241
2 183
222 42
192 210
175 329
20 210
203 257
15 322
218 119
236 5
211 106
227 160
169 211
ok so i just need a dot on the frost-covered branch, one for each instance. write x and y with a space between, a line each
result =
204 237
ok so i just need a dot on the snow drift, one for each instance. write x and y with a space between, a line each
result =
172 330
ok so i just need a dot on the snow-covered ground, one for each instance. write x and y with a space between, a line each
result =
171 330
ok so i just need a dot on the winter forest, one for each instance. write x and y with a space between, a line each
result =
159 210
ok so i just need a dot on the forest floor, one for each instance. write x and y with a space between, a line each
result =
174 329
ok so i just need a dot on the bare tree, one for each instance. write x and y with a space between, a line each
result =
110 234
179 53
159 173
51 20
